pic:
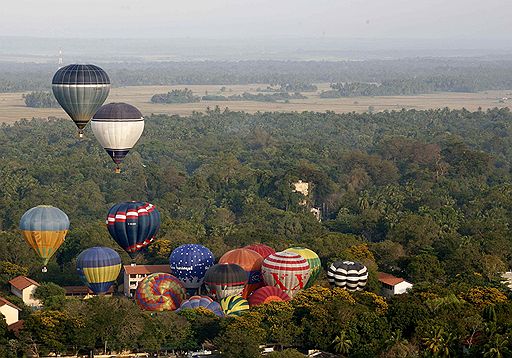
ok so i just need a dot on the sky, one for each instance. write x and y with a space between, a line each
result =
217 19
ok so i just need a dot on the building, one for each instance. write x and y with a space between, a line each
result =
301 187
10 311
507 279
133 274
24 287
392 285
83 291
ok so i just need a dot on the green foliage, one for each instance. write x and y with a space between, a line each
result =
175 96
51 295
40 99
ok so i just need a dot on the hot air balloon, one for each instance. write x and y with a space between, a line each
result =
80 90
118 127
133 225
287 270
348 274
267 294
44 228
202 301
261 249
189 263
250 261
234 305
98 267
160 292
223 280
313 260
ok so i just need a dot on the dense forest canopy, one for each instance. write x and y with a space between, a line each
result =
425 195
456 74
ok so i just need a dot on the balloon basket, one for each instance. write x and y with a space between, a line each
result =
80 134
117 170
44 269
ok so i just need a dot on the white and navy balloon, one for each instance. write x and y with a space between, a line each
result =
348 274
189 264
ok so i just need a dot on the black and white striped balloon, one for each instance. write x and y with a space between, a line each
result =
348 274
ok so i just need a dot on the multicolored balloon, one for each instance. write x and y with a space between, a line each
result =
202 301
313 260
189 263
287 270
118 127
224 280
160 292
261 249
267 294
98 267
348 274
133 225
44 228
80 91
250 261
234 305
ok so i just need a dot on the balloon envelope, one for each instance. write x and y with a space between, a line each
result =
44 228
202 301
117 127
313 260
133 225
160 292
286 270
348 274
261 249
98 267
223 280
267 294
251 262
189 263
234 305
80 90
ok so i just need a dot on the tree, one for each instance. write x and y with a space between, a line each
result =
51 295
342 343
242 336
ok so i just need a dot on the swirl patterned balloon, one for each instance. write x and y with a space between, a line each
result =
189 263
234 305
160 292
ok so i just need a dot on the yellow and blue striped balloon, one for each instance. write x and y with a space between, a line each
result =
98 267
44 228
234 305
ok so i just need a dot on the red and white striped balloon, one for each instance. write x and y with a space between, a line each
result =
287 270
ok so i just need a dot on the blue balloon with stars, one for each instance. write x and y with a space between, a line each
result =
189 264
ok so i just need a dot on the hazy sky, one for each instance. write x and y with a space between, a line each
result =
258 18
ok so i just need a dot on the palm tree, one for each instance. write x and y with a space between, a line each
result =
342 343
497 347
439 342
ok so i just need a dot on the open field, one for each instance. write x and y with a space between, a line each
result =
12 106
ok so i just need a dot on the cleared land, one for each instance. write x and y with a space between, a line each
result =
12 106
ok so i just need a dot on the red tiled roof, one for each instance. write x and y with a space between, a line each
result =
146 269
22 282
389 279
4 302
82 290
16 326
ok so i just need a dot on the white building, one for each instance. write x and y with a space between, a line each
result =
24 287
133 274
9 311
392 285
507 279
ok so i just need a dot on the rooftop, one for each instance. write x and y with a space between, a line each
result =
82 290
146 269
22 282
4 302
389 279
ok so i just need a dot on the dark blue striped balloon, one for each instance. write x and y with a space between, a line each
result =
133 225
